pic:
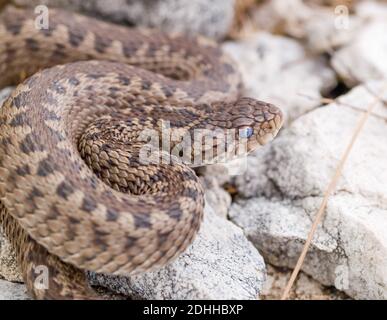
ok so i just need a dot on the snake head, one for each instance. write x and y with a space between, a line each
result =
256 122
253 123
240 128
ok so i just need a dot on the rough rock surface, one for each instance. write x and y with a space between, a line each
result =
9 269
4 94
220 264
371 10
12 291
216 196
212 19
365 58
321 28
273 67
305 288
287 182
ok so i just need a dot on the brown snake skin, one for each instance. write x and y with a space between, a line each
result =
74 194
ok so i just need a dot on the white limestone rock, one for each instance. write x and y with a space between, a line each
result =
9 269
277 69
220 264
304 288
4 94
212 19
286 183
12 291
365 58
216 197
371 10
321 28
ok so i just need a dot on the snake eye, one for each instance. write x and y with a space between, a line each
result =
246 132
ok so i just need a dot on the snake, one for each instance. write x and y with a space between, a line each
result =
81 189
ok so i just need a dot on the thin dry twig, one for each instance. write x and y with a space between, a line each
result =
329 191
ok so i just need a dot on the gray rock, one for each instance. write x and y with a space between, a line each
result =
210 18
220 264
305 288
4 94
364 58
216 196
273 67
321 27
9 269
371 10
349 250
12 291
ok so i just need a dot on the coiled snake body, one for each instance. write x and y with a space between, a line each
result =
74 194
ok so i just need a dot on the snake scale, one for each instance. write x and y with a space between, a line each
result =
74 195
